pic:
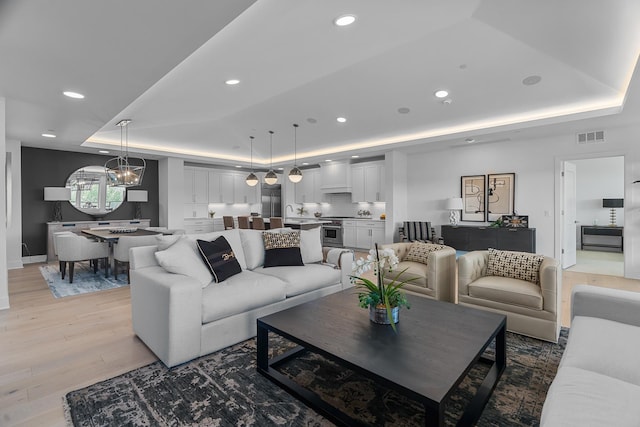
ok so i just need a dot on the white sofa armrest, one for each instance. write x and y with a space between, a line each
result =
471 266
346 262
551 285
611 304
166 312
441 274
142 256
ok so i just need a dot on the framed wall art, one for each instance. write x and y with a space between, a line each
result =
473 197
500 195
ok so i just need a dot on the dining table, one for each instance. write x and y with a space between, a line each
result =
111 236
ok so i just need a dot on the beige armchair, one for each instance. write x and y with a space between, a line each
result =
72 248
435 279
121 250
532 309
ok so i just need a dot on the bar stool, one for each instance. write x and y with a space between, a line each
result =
258 223
243 222
275 222
228 222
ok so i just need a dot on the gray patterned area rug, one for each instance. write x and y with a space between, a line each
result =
224 389
84 280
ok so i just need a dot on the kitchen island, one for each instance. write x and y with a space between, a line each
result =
303 223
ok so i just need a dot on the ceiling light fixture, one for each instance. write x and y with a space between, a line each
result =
125 171
344 20
74 95
252 179
103 151
441 93
49 135
341 119
232 82
271 177
305 164
354 156
295 174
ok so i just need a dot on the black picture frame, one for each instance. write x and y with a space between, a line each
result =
501 192
473 192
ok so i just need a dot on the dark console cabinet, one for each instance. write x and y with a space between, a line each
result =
467 238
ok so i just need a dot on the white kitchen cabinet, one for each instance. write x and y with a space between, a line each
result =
367 182
349 234
221 187
242 192
335 177
196 185
308 190
368 233
198 225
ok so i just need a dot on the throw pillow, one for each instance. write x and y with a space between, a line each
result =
282 249
517 265
219 257
183 258
419 252
164 242
232 236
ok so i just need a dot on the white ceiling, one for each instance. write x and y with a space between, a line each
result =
163 65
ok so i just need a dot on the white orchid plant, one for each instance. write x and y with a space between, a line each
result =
380 295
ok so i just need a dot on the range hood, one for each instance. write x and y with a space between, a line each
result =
336 177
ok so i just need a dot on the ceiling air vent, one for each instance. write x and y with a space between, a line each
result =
591 137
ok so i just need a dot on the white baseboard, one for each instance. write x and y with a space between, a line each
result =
34 259
14 264
4 303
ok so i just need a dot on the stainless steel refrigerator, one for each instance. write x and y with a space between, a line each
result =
271 200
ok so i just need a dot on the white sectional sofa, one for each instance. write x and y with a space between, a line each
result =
598 380
179 319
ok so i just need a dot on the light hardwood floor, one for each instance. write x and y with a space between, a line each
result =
51 346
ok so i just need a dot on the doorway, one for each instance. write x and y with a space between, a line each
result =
594 215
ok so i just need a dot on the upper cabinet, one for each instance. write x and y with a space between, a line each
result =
367 182
336 177
308 190
196 185
242 192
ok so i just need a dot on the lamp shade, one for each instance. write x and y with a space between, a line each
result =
137 196
57 194
613 203
454 204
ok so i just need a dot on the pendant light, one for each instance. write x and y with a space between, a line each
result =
125 171
252 179
295 174
271 177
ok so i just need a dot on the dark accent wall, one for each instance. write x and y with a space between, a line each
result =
51 168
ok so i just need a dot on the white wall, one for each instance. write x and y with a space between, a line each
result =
14 231
170 189
536 165
4 279
598 179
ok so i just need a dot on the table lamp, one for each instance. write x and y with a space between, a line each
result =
57 195
612 204
137 197
454 205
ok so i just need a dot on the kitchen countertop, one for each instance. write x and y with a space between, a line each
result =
329 218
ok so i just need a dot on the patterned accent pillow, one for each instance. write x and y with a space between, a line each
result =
282 249
419 252
517 265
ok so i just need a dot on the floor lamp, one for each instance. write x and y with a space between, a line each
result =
57 195
137 197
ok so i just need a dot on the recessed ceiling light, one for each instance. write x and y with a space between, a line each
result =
232 82
328 160
103 151
238 166
305 164
403 110
344 20
354 157
74 95
447 101
531 80
312 120
441 93
49 135
469 140
341 119
280 169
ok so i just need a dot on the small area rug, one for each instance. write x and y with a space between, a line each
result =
224 389
84 280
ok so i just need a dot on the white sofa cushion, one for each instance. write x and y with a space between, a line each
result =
240 293
184 258
579 397
253 247
305 278
311 245
604 346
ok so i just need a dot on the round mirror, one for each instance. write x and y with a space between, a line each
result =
91 194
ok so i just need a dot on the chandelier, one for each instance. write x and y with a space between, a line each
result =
83 181
124 171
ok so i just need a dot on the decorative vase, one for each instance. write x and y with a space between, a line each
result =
379 315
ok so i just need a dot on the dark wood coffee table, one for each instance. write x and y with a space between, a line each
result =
436 345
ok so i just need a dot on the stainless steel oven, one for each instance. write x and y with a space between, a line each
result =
332 233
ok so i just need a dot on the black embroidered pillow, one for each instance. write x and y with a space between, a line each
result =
517 265
219 257
282 249
419 252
